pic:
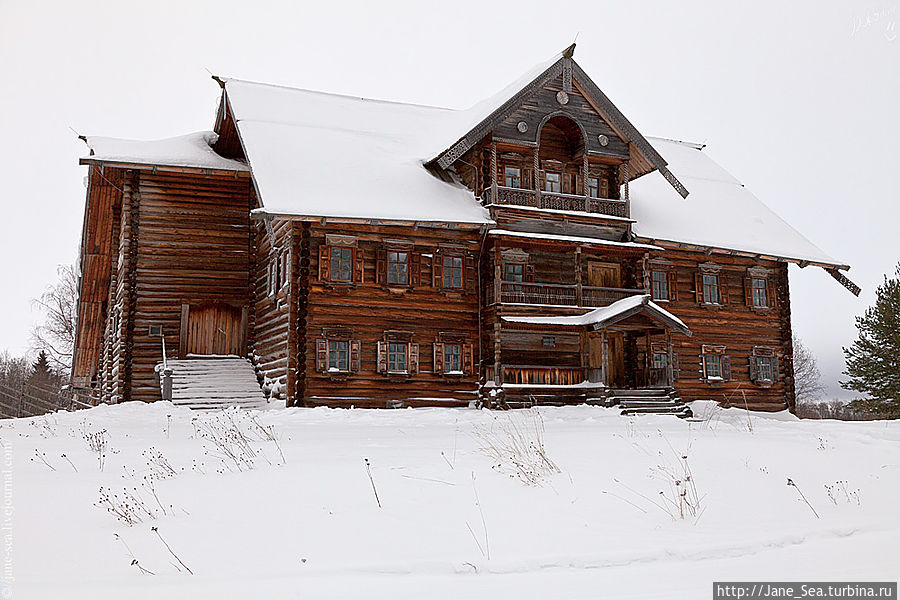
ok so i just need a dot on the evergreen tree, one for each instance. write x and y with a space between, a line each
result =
873 361
40 369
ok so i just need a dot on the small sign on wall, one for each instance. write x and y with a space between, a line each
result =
548 341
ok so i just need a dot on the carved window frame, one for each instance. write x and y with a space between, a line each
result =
715 355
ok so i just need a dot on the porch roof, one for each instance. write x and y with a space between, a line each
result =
600 318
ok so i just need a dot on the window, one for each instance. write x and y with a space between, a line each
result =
512 177
710 289
341 264
552 182
659 360
760 295
338 355
593 187
397 268
284 274
452 358
514 272
397 354
453 272
715 364
660 284
763 365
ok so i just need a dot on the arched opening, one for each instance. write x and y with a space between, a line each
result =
561 140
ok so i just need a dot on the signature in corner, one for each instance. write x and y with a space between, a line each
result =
872 17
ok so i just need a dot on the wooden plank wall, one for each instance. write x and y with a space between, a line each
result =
192 246
370 308
269 322
735 326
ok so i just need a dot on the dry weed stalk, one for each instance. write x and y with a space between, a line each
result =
515 443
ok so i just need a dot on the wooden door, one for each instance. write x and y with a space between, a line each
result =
604 274
212 328
616 359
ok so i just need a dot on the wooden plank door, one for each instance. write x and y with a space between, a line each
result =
616 348
213 328
604 274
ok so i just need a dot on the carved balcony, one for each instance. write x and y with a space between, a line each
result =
556 201
553 294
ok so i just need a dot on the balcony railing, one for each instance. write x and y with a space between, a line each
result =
556 201
560 294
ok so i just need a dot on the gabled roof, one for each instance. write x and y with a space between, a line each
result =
192 151
327 155
720 212
486 115
616 312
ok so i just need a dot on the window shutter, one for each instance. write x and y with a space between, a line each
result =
672 278
438 357
468 359
723 289
324 263
415 269
437 271
541 178
321 355
470 277
413 358
529 273
748 291
754 370
354 356
381 365
579 186
358 265
726 368
773 296
527 181
702 367
381 266
698 286
676 371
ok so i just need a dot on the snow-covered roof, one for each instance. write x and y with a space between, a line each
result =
719 212
318 154
192 150
573 239
607 314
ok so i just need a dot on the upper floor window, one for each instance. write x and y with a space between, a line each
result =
760 292
453 271
514 272
553 182
341 267
512 177
660 285
710 289
397 266
593 185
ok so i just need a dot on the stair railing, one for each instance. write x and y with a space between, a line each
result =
165 382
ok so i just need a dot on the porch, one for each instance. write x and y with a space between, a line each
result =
624 352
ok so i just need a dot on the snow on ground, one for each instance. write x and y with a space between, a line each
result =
455 522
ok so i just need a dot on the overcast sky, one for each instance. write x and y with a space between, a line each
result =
798 100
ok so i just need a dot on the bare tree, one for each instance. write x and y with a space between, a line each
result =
59 302
808 387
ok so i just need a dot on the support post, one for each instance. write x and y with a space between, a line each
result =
648 356
579 298
494 199
604 358
670 370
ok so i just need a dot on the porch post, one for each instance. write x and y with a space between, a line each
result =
579 299
670 370
537 176
494 199
604 358
648 359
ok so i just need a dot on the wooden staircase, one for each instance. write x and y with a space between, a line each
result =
659 401
206 383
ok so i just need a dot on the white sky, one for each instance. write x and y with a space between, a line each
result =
798 100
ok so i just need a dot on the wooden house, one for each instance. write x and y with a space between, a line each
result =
536 248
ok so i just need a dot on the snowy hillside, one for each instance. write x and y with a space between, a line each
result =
471 507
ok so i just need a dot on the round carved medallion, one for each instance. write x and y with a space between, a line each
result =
604 141
562 97
522 126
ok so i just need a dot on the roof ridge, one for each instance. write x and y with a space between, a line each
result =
227 80
694 145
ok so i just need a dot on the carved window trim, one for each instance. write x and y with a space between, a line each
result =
715 365
326 345
448 340
763 366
